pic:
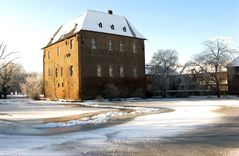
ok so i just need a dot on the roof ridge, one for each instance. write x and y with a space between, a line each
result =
131 30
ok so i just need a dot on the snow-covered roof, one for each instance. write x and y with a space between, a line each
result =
234 63
98 22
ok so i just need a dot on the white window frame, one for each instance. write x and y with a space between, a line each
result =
111 71
135 72
121 71
110 45
134 47
99 71
121 46
93 43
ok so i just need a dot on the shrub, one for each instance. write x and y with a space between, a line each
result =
32 86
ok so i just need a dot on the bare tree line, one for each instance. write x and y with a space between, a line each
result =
13 77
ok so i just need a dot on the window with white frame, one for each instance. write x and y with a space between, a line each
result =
134 48
121 46
121 71
111 71
99 72
93 43
58 51
135 72
110 45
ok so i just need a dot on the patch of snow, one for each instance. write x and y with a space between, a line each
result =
97 119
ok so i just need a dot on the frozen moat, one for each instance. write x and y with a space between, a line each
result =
89 128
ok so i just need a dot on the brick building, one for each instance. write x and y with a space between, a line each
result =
95 54
233 77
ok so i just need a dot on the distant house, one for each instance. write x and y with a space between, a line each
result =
233 77
185 84
93 55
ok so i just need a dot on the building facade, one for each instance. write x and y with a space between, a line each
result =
233 77
96 54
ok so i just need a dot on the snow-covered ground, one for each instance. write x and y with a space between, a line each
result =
148 123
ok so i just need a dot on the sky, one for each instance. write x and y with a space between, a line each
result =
27 25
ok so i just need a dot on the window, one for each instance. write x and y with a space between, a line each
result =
58 51
58 85
112 27
111 71
135 72
121 46
110 45
71 43
100 25
134 47
62 84
56 72
124 29
49 71
121 71
93 44
49 54
99 73
61 71
71 70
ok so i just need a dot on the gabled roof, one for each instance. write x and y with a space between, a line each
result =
98 22
234 63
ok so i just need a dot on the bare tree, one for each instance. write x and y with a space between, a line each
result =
6 57
32 86
164 62
209 64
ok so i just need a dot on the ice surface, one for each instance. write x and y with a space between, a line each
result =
189 116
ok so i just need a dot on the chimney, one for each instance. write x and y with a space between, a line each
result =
110 12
